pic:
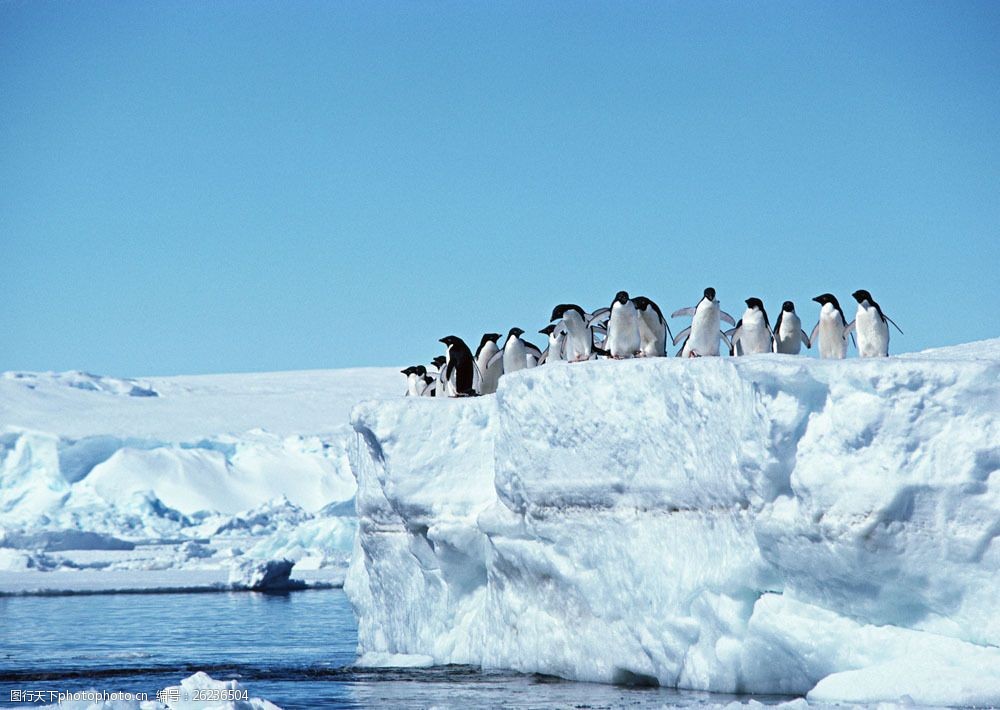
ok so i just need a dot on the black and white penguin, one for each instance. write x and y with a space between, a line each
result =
623 339
439 388
752 334
489 375
556 333
579 341
872 326
788 333
516 352
653 328
460 367
832 328
701 338
415 380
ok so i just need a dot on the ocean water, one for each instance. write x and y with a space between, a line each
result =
296 650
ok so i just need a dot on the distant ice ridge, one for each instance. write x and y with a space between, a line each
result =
768 524
198 471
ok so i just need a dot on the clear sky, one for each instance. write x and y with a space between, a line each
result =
191 187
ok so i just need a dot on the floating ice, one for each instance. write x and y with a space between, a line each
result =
763 524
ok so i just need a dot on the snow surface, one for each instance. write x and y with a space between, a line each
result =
768 524
209 473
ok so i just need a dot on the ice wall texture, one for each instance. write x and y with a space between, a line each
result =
764 524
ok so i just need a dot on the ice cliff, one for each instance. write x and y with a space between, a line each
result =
769 524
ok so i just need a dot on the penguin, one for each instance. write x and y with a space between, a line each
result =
515 352
623 339
578 344
832 328
415 380
788 333
872 326
701 338
429 386
653 328
752 333
557 338
489 376
461 365
440 387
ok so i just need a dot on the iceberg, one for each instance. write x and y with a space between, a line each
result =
767 524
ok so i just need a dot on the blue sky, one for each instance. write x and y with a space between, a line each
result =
239 186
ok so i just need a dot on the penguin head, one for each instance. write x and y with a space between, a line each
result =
420 370
826 298
641 303
621 297
861 296
710 294
487 338
755 303
547 330
449 340
561 310
411 370
515 333
788 307
439 361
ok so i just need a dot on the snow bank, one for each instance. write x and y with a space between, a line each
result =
106 455
763 524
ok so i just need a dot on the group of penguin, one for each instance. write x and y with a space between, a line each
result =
635 327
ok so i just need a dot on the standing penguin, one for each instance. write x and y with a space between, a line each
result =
623 339
460 365
440 388
653 328
557 338
701 338
872 326
415 380
579 342
832 328
490 375
752 333
788 333
515 352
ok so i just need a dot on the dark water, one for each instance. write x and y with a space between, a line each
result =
295 650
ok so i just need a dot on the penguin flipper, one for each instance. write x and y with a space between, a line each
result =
600 351
726 317
681 351
727 341
544 357
599 316
533 348
689 311
805 339
894 323
683 334
495 358
812 337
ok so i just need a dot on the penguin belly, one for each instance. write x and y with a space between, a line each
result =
623 331
514 356
579 340
832 340
873 333
754 335
652 335
489 376
704 337
788 339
